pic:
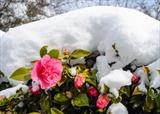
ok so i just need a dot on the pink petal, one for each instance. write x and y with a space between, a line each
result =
35 71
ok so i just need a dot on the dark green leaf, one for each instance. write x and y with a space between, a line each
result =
1 74
60 97
80 100
137 100
4 102
148 104
152 93
79 53
56 111
34 113
91 81
157 100
125 90
44 103
54 53
43 51
21 74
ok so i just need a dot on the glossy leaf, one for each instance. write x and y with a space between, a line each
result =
148 104
54 53
44 103
79 53
60 97
21 74
56 111
80 100
43 51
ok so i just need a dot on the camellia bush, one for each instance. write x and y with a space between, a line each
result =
64 82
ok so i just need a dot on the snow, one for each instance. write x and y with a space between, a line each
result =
118 108
12 91
1 33
102 67
73 71
154 79
19 9
134 34
115 80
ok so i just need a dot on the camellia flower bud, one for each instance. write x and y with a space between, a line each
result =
69 94
102 101
92 91
79 80
2 97
65 51
135 79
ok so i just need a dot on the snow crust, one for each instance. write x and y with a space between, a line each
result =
12 91
115 80
154 76
135 35
118 108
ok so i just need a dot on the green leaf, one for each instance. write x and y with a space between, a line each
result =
91 81
4 102
21 74
44 103
80 100
148 104
60 97
79 53
158 71
125 90
56 111
54 53
157 99
34 113
152 93
137 100
43 51
1 74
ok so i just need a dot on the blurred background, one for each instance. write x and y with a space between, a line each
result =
17 12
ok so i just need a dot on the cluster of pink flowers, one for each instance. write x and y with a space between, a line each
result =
47 72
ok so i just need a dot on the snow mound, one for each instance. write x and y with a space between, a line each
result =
134 34
1 33
115 80
118 108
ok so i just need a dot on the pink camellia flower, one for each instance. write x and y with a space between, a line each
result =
135 78
92 91
79 80
47 71
102 101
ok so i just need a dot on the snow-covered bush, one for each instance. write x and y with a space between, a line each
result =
17 12
68 81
